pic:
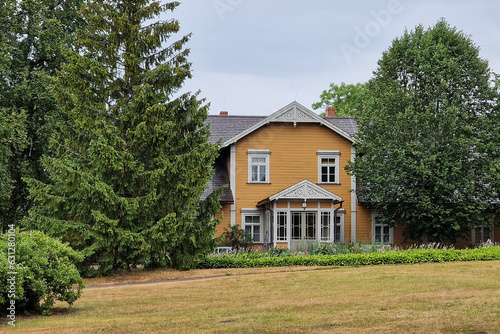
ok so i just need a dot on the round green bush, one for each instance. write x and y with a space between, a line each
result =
37 270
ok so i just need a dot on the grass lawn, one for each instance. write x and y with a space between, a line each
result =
457 297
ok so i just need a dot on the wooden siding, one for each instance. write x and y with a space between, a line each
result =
364 225
225 220
293 158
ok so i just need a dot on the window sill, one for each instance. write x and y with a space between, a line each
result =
329 183
258 182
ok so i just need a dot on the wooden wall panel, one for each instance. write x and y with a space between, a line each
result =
364 225
293 158
225 220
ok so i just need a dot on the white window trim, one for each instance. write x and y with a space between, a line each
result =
286 214
258 154
329 154
474 230
331 237
304 225
341 215
391 232
253 212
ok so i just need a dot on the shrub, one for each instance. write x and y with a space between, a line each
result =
350 248
279 252
45 271
325 250
359 259
237 239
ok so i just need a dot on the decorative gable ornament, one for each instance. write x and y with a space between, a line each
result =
292 113
305 190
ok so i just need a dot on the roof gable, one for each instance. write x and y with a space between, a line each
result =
292 113
305 190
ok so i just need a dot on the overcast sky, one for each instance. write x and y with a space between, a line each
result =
252 57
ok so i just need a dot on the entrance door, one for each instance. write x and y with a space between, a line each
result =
304 226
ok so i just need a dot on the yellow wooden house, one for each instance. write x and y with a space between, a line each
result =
287 183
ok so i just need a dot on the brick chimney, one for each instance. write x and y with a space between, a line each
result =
330 112
223 113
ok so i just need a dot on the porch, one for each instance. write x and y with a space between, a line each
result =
299 217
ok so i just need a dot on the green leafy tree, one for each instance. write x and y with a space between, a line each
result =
34 37
425 145
347 99
12 123
130 170
493 148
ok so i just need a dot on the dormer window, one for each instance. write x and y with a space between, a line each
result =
258 166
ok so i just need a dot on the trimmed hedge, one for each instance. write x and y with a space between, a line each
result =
409 256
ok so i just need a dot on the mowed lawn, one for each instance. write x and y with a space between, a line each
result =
459 297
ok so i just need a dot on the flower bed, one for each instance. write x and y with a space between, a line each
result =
355 258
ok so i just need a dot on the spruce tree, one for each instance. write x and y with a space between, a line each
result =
127 179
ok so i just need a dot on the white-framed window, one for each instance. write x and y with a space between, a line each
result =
328 167
326 233
339 232
482 234
303 225
326 226
281 225
252 224
258 166
382 233
296 225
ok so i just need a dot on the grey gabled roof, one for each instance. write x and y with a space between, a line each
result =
292 113
347 124
219 179
229 129
226 127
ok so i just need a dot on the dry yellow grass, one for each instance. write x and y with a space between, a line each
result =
141 276
427 298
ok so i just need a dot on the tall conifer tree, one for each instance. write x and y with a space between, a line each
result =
130 171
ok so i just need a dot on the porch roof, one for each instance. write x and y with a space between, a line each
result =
304 190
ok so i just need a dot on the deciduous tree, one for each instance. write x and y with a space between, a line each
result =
34 38
347 99
425 139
